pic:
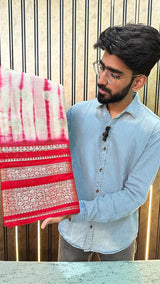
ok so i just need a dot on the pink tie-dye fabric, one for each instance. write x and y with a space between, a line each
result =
36 172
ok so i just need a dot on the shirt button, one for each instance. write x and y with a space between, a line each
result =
91 226
104 149
100 169
97 191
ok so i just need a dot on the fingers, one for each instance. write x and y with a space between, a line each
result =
46 222
52 220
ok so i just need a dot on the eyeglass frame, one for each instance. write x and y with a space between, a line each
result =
116 77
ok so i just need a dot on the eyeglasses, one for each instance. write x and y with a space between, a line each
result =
99 68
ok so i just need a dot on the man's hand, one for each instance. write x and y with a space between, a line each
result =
54 220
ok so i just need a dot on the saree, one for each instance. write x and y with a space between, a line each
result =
37 180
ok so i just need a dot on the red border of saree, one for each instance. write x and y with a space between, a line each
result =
35 187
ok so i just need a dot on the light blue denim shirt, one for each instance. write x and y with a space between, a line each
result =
113 176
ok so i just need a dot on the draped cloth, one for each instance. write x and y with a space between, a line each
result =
37 181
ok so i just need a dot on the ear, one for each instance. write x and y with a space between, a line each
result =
138 83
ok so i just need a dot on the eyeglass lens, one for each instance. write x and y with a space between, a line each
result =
99 69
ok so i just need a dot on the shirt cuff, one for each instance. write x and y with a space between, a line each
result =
82 216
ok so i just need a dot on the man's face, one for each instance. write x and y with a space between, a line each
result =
121 87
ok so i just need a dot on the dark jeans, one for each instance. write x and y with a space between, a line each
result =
70 253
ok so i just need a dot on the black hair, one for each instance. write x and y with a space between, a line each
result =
137 45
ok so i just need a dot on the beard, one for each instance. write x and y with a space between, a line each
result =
113 98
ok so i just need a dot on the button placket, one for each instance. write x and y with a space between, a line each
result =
102 161
89 237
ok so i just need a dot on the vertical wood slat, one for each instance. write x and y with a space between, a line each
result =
157 254
112 13
61 41
156 105
156 109
74 10
49 76
36 38
99 27
145 93
49 73
149 14
11 53
149 19
23 35
3 249
9 235
86 50
10 25
22 233
124 18
137 9
36 63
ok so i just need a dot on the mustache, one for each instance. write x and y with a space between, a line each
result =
103 87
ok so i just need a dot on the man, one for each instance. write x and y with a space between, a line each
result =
114 142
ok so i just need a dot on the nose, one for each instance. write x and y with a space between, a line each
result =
103 79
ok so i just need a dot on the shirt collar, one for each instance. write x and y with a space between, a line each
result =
132 108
